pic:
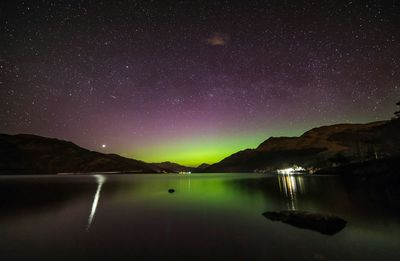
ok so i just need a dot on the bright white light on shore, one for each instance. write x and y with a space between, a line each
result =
289 171
104 146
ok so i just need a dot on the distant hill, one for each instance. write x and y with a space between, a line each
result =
29 154
171 167
321 147
202 166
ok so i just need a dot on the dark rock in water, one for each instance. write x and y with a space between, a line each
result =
325 224
171 190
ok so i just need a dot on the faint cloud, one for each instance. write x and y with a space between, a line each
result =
218 39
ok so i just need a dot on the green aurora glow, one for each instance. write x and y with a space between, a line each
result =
193 151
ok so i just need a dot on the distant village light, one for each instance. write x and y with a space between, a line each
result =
289 171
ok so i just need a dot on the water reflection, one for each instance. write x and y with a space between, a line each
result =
209 213
100 180
290 186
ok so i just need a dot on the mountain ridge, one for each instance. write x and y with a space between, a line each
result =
28 154
319 147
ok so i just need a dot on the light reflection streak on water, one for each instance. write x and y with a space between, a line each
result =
290 186
100 181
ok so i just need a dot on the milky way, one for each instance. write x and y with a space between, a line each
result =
194 81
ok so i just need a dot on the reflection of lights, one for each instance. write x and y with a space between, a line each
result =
100 181
290 186
288 171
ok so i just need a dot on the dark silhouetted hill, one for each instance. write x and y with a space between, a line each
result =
171 167
322 147
202 166
29 154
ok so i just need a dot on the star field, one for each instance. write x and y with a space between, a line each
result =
194 81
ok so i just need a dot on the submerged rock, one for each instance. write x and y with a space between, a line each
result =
325 224
171 190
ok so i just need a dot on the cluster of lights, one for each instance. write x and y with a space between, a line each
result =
185 172
289 171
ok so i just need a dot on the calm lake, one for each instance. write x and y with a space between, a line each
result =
208 217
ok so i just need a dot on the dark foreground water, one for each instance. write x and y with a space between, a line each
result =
209 217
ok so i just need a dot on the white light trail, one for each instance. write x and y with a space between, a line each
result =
100 181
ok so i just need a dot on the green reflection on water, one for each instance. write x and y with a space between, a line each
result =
221 213
213 190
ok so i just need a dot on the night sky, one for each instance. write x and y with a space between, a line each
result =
194 81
